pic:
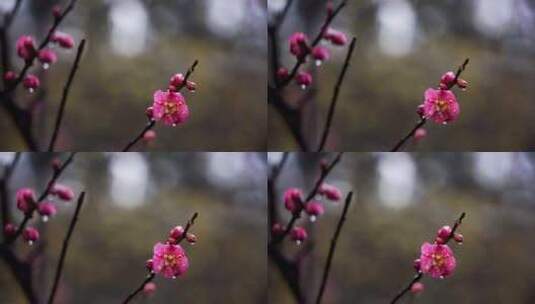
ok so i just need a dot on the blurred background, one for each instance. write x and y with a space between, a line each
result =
403 47
134 46
132 201
402 200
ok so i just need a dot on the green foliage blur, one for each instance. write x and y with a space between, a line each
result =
134 47
132 202
401 201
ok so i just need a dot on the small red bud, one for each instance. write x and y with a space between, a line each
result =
191 238
149 264
56 11
459 238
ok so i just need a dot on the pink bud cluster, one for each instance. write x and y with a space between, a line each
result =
441 105
294 203
169 258
437 259
170 106
28 50
28 204
302 49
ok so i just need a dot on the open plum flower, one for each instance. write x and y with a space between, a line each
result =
169 260
441 106
170 107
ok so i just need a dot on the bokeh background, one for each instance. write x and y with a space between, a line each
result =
402 200
132 202
134 46
403 48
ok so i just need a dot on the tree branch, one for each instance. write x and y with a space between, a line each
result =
152 122
4 183
418 276
423 120
151 275
66 90
333 247
65 247
334 99
57 173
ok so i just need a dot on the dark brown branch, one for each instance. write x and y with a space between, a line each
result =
8 19
296 215
423 120
4 189
332 248
152 122
66 90
151 275
42 45
334 99
65 247
57 173
418 276
315 42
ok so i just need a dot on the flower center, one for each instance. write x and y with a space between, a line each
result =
170 260
170 108
442 105
438 260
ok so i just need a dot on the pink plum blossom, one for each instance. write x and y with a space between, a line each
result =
335 37
25 198
293 198
169 260
330 192
417 287
10 229
149 288
169 107
298 44
64 40
47 56
437 260
177 232
299 234
30 234
447 80
440 105
314 209
304 79
177 80
26 47
31 82
46 209
63 192
320 53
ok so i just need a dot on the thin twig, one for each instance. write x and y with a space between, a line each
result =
296 215
418 276
334 99
152 122
330 17
4 183
65 247
57 173
333 247
66 89
423 120
151 275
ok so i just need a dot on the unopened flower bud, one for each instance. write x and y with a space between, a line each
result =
459 238
177 80
304 79
463 84
149 288
31 82
282 74
177 232
149 264
149 136
277 229
330 192
335 37
298 234
293 198
63 192
417 265
25 198
420 134
30 235
417 287
150 113
314 209
46 209
56 11
320 54
26 47
191 86
444 232
10 76
10 229
64 40
47 56
56 164
447 80
191 238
